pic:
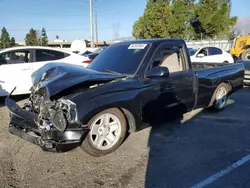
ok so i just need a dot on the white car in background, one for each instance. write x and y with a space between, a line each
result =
18 63
211 54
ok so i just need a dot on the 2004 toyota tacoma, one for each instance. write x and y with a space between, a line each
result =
127 85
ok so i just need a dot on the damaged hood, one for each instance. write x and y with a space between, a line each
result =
56 77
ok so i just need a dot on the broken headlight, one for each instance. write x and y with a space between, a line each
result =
59 113
62 114
68 108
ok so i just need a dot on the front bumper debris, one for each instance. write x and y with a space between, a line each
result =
23 124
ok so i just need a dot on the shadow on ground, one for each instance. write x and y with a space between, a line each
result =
180 152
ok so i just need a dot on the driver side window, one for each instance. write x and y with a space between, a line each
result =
169 56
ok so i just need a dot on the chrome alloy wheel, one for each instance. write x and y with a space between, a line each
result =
105 131
221 97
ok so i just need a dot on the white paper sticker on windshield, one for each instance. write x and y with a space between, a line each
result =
137 46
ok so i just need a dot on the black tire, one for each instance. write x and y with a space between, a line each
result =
88 146
246 54
226 62
215 106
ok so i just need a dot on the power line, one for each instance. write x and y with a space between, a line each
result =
72 13
116 15
77 29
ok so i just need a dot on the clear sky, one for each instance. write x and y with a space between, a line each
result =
69 19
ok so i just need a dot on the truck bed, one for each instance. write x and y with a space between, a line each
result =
200 65
210 76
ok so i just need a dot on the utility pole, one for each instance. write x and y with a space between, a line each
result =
116 28
114 31
96 29
91 24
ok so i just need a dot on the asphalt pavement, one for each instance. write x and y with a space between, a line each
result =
202 148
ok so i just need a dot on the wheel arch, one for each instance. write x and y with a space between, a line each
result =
130 120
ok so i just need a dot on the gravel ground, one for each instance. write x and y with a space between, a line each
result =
179 154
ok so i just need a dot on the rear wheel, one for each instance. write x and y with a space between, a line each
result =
225 62
246 55
107 132
220 97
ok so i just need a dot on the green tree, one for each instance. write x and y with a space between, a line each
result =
213 18
155 21
31 38
185 19
182 13
44 38
12 42
5 38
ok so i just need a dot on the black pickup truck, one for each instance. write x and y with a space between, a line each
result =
129 84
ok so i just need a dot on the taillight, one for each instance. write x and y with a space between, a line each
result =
87 61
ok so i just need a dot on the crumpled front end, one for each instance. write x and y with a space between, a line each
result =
50 118
53 125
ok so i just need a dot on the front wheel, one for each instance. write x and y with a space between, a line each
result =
107 132
220 97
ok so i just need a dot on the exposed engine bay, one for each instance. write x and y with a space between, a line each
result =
45 122
52 86
52 114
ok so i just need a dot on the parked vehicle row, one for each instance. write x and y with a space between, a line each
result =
91 56
128 85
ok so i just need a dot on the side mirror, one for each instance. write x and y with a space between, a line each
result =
158 72
200 55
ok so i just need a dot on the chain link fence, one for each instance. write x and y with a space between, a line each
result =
224 44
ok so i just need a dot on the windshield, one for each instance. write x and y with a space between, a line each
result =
192 51
120 58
